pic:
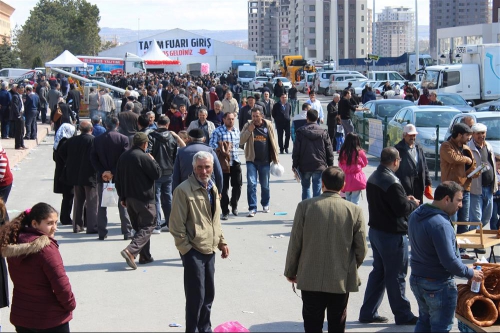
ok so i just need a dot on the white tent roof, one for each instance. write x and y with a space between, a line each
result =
66 59
155 53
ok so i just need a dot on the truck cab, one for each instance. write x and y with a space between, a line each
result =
462 79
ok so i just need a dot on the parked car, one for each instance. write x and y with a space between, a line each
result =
492 122
455 100
488 106
323 79
257 83
286 83
339 82
425 118
378 109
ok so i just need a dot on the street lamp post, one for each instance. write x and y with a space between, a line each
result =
277 36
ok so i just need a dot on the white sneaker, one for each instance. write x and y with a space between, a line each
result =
251 213
265 209
156 231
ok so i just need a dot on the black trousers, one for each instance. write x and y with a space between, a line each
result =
235 177
60 328
418 190
283 126
19 133
143 219
199 288
314 304
331 133
67 205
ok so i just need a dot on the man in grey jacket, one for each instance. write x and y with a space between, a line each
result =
323 228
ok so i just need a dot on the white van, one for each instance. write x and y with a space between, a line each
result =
323 79
7 74
385 76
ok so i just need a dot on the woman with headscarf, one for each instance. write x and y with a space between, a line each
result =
64 132
424 98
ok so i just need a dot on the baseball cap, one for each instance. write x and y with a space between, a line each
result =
410 129
140 138
477 128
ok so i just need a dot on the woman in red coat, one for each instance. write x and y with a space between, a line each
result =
42 300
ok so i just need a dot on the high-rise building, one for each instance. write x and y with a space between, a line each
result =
268 27
5 14
328 29
495 11
394 32
454 13
369 29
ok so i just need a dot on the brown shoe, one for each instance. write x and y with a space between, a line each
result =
129 258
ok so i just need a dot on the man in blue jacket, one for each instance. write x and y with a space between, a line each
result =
435 259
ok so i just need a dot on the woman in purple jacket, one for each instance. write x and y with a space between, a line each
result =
42 300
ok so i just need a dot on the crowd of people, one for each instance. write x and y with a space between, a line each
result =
168 156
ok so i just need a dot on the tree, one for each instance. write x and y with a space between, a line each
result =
8 56
107 45
57 25
37 62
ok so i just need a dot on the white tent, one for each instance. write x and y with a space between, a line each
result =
155 56
66 59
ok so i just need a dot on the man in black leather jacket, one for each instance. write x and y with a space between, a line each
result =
163 147
389 208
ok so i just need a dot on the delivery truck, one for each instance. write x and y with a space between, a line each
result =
130 63
246 73
476 79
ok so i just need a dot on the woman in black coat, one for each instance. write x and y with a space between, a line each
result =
67 116
64 132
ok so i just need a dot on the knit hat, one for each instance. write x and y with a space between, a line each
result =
196 133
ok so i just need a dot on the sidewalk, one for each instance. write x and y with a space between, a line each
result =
16 156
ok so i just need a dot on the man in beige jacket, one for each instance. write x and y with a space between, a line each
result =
327 246
260 150
195 226
230 104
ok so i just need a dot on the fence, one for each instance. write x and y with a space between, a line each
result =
362 126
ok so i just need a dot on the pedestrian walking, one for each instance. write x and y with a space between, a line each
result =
352 160
323 227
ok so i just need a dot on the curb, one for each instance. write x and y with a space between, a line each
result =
16 156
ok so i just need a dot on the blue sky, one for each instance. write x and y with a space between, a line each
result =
187 15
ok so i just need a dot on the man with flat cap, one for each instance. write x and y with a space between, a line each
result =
183 166
136 173
457 162
246 112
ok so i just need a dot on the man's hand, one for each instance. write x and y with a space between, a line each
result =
225 251
321 120
107 176
151 156
478 275
124 204
412 198
292 280
251 127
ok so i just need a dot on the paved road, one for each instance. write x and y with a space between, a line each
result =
250 288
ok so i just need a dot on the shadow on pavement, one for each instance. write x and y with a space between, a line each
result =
119 266
282 326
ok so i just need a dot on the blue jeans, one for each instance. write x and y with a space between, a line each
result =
494 215
390 266
437 301
305 181
163 189
353 196
481 206
293 102
5 123
263 171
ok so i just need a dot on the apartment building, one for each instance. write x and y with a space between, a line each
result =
394 32
455 13
329 29
268 32
6 12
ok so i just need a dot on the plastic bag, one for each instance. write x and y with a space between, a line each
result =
231 326
277 169
109 195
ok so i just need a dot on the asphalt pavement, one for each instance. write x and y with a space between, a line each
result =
250 286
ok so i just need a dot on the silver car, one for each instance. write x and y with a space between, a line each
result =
425 118
492 122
